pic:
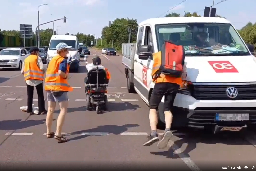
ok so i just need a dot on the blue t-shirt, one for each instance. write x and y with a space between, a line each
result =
63 65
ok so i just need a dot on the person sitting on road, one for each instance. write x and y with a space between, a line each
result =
57 87
96 62
33 71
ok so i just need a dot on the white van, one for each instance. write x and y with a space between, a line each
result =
73 55
222 80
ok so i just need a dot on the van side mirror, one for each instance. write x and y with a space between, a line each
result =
145 55
22 54
250 47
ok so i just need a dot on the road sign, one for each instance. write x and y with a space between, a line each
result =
26 29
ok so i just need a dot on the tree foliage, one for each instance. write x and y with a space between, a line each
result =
117 33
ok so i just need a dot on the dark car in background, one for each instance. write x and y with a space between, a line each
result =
86 51
111 51
42 54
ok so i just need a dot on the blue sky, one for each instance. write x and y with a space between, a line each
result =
90 16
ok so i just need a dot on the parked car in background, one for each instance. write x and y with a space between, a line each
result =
43 55
12 57
110 51
86 51
103 51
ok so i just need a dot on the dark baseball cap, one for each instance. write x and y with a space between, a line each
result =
34 49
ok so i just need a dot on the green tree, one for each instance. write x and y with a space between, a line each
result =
118 33
173 15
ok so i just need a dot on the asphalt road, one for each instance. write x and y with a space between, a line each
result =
111 139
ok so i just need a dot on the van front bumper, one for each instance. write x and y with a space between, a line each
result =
201 113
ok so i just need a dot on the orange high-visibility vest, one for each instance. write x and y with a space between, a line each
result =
162 77
31 69
53 81
108 74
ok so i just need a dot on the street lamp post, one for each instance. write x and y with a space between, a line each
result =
38 31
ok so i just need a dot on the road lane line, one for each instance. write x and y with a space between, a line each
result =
134 133
12 99
186 159
106 57
123 87
21 86
129 100
95 133
23 133
76 87
63 133
5 86
35 100
111 100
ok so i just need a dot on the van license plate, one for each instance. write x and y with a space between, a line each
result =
233 129
232 117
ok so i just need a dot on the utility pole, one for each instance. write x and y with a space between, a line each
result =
52 28
130 33
101 41
24 39
112 44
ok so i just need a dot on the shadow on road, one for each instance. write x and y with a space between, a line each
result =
121 106
112 129
18 124
2 79
194 137
82 69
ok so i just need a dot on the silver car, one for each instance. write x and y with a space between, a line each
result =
12 57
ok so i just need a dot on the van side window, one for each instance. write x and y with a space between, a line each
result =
140 35
148 40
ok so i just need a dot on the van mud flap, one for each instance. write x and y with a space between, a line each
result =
218 128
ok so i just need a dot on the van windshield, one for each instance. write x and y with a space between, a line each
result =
202 39
54 43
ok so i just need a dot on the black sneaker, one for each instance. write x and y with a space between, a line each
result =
151 139
164 140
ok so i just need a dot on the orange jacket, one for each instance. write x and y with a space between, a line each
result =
162 77
53 81
31 69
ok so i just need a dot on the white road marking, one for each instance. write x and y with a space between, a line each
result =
111 87
134 133
5 86
123 87
12 99
35 100
129 100
95 133
80 100
111 100
76 87
24 133
183 157
21 86
63 133
106 57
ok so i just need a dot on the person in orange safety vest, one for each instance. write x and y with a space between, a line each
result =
33 71
57 87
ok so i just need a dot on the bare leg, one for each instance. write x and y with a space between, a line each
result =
61 117
49 117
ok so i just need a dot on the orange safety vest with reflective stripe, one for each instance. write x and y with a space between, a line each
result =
53 81
31 69
163 78
108 74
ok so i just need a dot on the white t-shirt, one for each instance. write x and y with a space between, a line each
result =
90 66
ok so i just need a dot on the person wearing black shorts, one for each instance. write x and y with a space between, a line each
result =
167 90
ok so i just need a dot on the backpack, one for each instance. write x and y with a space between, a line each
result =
171 62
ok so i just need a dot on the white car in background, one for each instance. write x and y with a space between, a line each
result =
12 57
104 50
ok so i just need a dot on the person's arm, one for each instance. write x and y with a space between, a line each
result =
40 64
22 70
63 69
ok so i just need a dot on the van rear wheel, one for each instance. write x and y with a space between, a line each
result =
130 85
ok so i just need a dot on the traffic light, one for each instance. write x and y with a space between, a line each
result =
64 19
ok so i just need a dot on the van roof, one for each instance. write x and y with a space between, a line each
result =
63 37
167 20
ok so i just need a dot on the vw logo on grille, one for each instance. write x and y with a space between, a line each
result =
232 92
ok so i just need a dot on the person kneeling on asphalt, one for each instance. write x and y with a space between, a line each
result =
57 87
33 71
167 86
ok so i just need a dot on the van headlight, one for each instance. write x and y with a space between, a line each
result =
13 60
